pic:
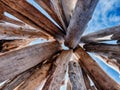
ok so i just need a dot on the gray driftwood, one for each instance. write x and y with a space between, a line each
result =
79 20
16 62
76 76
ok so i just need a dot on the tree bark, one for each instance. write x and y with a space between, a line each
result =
16 62
58 71
101 35
79 20
100 78
76 76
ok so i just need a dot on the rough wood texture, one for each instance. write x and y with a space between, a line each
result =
13 83
36 78
101 35
57 8
45 4
8 31
76 76
113 63
8 45
100 78
68 7
23 7
58 71
15 62
80 17
102 47
13 21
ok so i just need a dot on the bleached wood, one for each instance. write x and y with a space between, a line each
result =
76 76
15 62
26 9
101 35
100 78
79 20
57 7
36 78
45 4
102 47
13 21
58 71
8 31
68 7
113 63
8 45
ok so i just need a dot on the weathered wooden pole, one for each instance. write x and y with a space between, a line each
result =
58 71
112 33
99 77
18 61
81 15
76 76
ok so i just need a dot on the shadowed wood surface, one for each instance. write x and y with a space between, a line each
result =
100 78
101 35
57 74
15 62
76 76
79 20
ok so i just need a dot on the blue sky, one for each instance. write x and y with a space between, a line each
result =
107 14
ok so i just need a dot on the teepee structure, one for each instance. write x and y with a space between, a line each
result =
44 66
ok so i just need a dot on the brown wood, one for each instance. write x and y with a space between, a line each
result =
100 78
8 31
45 4
68 7
16 62
57 8
58 71
8 45
69 87
101 35
76 76
102 47
79 20
36 78
34 15
13 21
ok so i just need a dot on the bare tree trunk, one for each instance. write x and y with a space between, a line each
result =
58 71
18 61
100 78
76 77
80 17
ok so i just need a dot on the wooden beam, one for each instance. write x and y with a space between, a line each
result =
34 15
58 71
45 4
112 33
99 77
68 7
36 78
113 63
16 62
69 87
20 16
102 47
76 76
13 21
57 8
8 45
79 20
8 31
